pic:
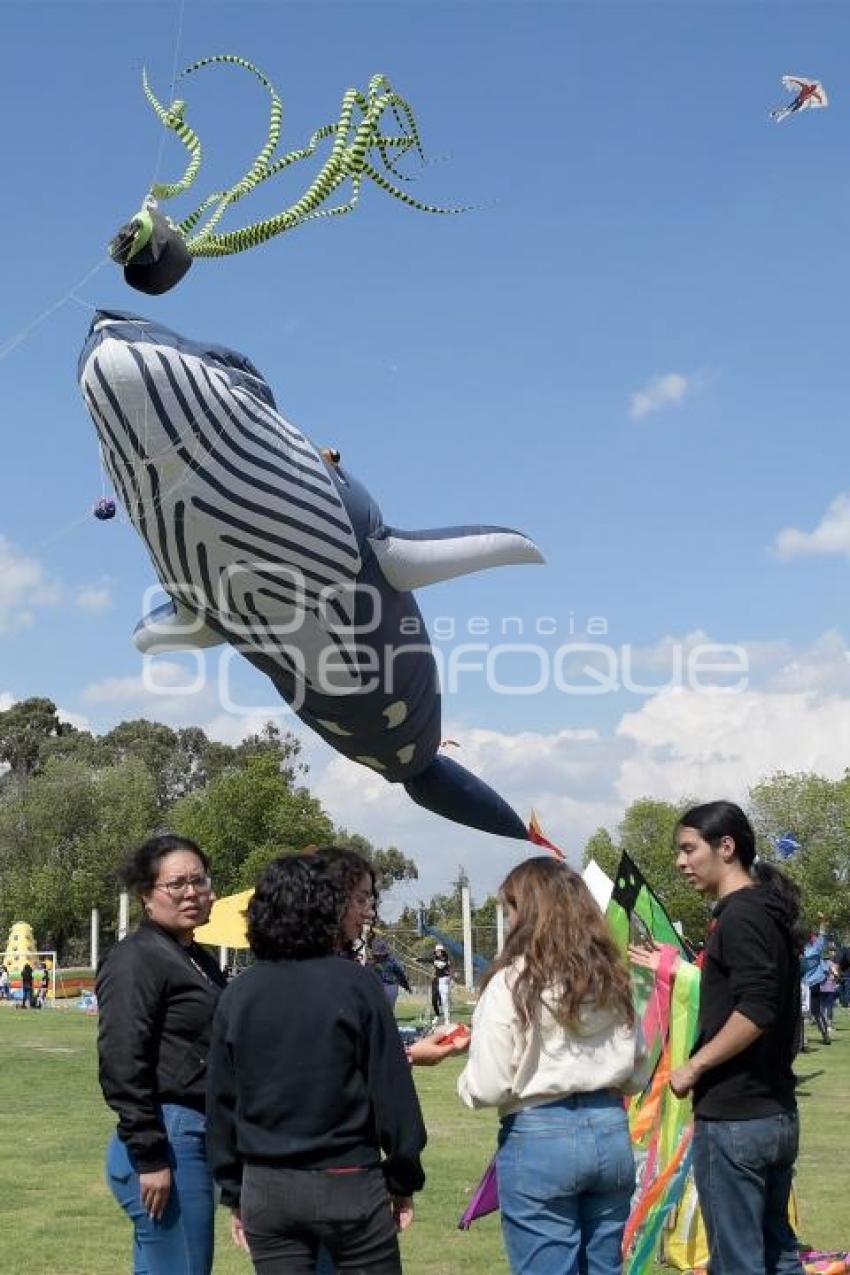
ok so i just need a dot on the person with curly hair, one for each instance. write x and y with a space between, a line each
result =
314 1127
157 991
554 1047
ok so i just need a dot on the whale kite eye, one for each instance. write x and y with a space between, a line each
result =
331 455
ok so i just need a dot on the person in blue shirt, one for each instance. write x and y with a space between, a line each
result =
814 971
389 969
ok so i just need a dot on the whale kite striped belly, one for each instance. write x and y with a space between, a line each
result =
263 542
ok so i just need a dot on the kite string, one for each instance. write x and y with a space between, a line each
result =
17 338
174 65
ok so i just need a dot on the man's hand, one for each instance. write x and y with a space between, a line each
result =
430 1050
237 1230
683 1079
402 1206
154 1189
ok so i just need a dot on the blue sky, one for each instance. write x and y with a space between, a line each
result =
640 228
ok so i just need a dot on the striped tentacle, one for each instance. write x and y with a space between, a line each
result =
172 118
260 164
380 180
339 209
403 114
283 161
250 236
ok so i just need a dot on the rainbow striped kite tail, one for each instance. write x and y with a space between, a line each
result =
537 836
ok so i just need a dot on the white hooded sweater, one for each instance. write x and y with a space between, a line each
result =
512 1066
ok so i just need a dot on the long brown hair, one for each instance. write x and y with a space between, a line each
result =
561 946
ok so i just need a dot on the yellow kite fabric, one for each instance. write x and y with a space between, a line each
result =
226 926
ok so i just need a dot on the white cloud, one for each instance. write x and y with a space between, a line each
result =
174 680
830 536
660 392
710 744
93 599
24 587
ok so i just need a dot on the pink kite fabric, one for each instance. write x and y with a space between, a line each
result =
485 1199
821 1262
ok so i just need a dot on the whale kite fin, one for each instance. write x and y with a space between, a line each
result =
447 789
173 627
412 559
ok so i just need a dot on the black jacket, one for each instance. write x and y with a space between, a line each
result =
307 1071
156 1009
750 965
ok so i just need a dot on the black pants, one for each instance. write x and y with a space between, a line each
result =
289 1213
816 1008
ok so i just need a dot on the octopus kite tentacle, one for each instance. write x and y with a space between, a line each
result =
158 251
172 118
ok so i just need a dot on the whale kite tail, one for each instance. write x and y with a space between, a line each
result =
448 789
538 836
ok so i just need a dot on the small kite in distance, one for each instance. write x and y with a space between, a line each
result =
807 93
787 845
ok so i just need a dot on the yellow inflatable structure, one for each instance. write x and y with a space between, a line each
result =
21 947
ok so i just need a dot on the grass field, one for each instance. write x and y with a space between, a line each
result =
57 1217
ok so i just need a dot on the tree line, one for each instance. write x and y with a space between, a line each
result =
73 804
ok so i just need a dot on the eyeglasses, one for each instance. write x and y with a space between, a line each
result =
177 888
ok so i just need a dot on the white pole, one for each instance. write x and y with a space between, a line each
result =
222 958
95 937
466 905
123 914
500 928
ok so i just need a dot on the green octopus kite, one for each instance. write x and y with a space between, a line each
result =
156 252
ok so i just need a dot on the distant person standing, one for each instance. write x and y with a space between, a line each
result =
746 1131
441 984
389 969
26 986
815 969
4 983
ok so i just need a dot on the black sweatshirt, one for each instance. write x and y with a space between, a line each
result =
751 966
307 1071
156 1000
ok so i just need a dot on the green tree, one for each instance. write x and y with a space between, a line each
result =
245 818
62 835
390 865
600 846
23 729
817 811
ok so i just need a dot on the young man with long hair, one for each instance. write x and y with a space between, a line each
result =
746 1130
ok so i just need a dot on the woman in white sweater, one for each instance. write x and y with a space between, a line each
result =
554 1047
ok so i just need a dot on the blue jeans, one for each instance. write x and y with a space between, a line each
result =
566 1175
181 1242
743 1171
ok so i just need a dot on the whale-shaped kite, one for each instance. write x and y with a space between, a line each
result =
265 542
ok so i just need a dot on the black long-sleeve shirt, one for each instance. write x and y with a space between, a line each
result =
750 965
156 1000
307 1071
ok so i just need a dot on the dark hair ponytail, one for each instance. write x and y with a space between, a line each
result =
718 819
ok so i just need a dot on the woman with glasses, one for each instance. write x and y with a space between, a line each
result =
157 992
